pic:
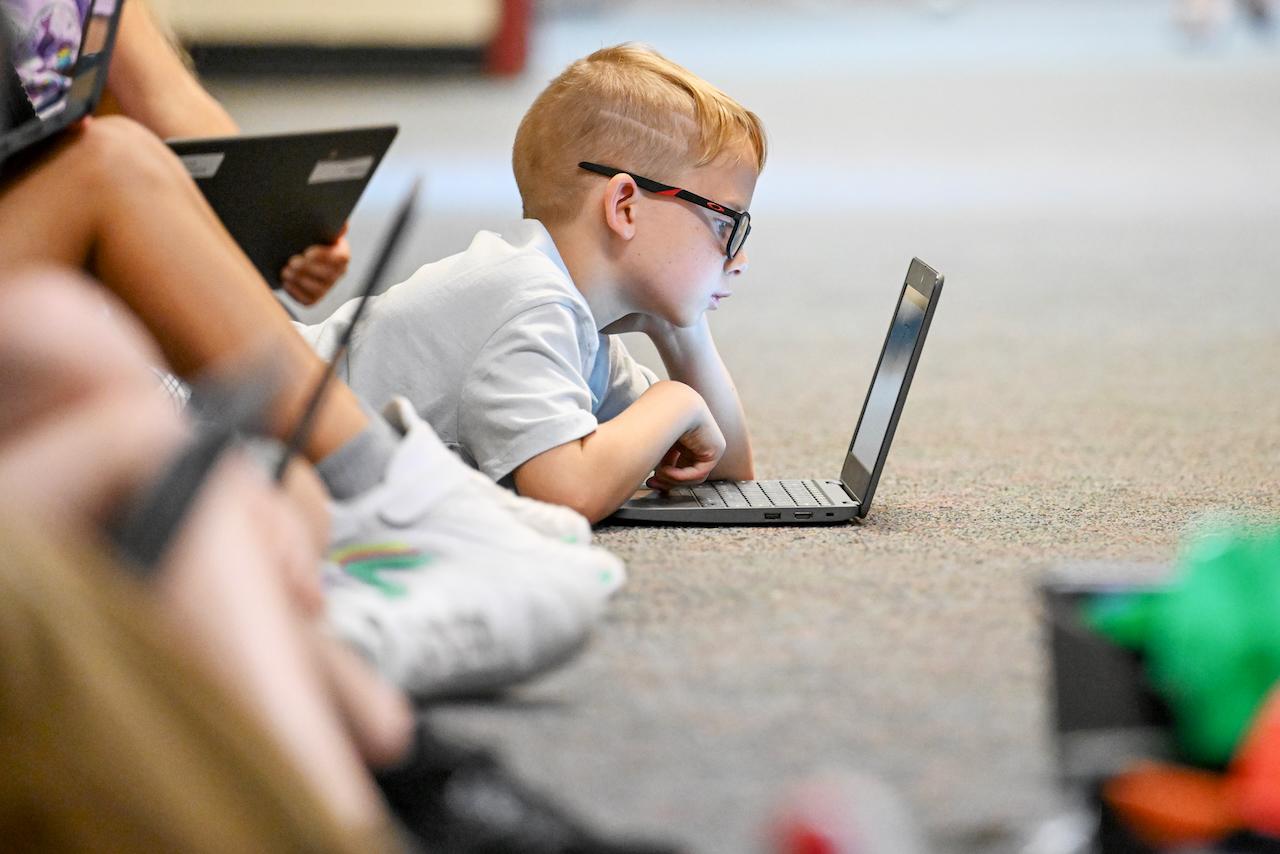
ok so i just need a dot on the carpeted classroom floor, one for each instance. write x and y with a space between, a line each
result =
1103 196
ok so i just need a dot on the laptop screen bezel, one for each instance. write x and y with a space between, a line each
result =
859 482
89 75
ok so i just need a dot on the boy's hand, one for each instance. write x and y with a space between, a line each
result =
690 459
627 323
309 276
645 323
667 436
690 357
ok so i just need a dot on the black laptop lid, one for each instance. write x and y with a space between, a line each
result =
892 379
90 75
15 109
280 193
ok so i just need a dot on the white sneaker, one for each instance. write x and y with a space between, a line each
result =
438 628
443 589
553 520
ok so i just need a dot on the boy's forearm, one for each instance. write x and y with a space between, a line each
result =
597 473
690 357
149 82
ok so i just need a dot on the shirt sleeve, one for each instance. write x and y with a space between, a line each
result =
527 391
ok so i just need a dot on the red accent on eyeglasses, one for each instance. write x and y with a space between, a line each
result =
715 207
670 192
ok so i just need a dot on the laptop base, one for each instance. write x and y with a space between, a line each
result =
817 502
716 503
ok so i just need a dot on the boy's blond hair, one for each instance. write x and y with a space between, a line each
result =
629 108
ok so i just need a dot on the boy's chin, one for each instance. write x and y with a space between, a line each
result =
689 322
685 317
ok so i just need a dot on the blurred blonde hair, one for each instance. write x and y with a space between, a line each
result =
629 108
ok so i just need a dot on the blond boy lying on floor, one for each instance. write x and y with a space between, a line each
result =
635 177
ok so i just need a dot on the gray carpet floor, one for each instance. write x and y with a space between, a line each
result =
1103 197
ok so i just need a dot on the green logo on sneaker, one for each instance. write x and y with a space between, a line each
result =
366 562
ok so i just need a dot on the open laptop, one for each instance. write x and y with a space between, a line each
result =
816 502
280 193
79 99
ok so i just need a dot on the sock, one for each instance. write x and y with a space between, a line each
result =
359 464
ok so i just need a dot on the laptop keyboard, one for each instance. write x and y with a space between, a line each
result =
760 493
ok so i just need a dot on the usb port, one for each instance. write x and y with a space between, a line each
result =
773 515
804 514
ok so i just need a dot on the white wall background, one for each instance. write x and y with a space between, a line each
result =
393 23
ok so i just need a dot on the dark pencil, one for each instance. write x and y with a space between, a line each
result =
398 227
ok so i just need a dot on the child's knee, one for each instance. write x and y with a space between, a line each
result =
120 153
70 349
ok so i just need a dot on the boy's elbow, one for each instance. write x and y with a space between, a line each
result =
590 506
582 498
594 511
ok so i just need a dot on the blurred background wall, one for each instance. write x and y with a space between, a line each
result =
387 22
333 36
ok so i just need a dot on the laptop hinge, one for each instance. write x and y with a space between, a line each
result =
847 491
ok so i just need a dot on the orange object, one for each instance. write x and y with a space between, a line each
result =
795 839
1168 806
1255 771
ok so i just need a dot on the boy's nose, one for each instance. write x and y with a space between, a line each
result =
737 265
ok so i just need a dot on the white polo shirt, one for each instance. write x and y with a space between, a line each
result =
496 349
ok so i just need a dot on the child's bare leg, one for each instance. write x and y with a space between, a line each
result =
38 375
112 199
95 428
224 586
378 717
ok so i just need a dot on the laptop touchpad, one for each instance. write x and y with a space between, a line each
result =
676 498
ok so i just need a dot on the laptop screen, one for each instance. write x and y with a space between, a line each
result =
884 401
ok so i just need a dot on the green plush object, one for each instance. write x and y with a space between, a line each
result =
1210 640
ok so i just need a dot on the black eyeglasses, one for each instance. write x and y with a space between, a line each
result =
741 219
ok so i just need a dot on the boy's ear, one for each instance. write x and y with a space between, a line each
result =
620 197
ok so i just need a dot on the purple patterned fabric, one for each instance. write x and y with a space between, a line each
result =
47 41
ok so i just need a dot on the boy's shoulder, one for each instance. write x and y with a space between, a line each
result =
497 279
508 271
525 245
